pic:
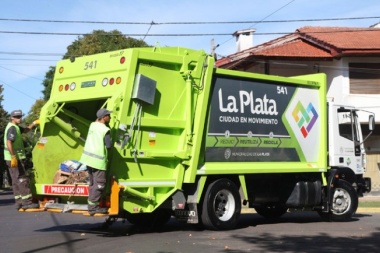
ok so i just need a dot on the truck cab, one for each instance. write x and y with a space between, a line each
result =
346 143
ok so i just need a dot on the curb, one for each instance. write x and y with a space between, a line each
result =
360 210
363 210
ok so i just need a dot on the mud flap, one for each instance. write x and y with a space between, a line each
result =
187 215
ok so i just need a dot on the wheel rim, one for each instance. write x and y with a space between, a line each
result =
224 205
341 201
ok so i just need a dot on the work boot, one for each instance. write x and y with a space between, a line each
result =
30 206
18 204
98 210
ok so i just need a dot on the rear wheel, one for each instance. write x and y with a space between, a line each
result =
221 205
271 211
344 203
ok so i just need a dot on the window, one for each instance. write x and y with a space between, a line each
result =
364 78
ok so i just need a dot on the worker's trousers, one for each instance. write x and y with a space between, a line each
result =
96 187
20 184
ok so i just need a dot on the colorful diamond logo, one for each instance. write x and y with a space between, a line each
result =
305 118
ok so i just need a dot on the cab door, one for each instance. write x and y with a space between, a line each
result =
345 139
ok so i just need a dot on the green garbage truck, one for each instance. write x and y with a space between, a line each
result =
199 143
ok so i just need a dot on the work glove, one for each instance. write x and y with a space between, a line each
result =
14 162
36 122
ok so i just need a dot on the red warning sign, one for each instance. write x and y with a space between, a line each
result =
55 189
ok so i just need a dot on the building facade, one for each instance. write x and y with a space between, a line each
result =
350 58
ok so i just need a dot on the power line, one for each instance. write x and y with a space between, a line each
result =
21 73
15 59
35 54
148 30
127 34
282 7
261 21
179 34
26 94
188 23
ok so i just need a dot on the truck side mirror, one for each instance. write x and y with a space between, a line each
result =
371 122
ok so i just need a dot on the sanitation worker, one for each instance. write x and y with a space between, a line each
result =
94 156
14 156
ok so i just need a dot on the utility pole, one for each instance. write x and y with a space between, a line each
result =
213 47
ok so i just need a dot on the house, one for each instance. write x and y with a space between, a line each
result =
349 56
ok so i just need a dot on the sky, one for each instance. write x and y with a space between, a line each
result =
25 56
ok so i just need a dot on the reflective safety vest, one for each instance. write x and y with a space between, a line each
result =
17 144
94 151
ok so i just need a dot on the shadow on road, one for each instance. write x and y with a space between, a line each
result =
252 232
122 227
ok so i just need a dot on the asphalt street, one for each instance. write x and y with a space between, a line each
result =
42 232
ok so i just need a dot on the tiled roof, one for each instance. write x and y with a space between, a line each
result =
345 37
312 43
295 48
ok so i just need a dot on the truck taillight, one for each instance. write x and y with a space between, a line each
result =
105 82
111 81
122 60
72 86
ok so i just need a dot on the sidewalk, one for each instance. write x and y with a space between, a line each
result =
372 196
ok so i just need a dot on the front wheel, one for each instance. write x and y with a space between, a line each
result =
221 205
344 203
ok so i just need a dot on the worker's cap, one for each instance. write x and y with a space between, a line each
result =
16 113
102 112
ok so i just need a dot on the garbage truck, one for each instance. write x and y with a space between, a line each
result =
199 143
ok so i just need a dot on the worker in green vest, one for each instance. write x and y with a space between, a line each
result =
14 156
94 156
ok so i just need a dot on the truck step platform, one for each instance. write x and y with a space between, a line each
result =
64 208
70 208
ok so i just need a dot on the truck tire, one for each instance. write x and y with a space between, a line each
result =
221 205
344 203
271 211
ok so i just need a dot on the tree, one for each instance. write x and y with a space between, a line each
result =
4 119
99 41
31 138
48 82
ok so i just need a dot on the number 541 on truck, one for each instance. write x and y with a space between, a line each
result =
198 143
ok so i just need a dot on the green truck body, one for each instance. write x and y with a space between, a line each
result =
193 141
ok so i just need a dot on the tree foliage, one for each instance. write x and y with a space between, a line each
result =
4 119
32 137
99 41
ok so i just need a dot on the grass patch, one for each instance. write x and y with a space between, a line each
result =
369 204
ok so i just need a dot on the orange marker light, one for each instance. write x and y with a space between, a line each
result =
118 80
61 70
60 87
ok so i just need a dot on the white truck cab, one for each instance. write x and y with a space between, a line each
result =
346 142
